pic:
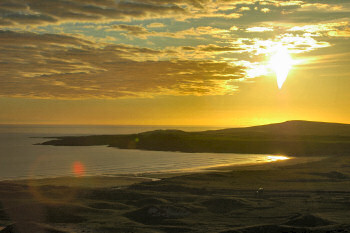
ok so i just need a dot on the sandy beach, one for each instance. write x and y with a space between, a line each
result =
295 195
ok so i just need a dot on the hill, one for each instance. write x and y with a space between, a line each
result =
293 138
301 128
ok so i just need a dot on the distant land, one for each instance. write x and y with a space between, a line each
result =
292 138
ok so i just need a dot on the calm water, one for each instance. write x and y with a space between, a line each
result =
19 158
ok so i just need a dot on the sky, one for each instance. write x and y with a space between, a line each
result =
174 62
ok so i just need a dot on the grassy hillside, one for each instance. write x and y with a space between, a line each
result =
301 128
294 138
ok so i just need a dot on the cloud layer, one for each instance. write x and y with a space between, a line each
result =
73 49
39 12
18 12
57 66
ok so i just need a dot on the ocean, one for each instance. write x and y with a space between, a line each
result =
21 159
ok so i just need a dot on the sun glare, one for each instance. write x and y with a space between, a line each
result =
274 158
281 62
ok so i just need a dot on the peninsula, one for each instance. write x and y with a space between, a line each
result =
296 138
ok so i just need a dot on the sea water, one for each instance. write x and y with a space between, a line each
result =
20 158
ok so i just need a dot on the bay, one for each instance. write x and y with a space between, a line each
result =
21 159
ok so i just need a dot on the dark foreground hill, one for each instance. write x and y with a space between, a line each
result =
294 138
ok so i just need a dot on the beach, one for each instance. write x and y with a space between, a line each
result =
286 196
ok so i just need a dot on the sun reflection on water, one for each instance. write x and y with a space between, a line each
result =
274 158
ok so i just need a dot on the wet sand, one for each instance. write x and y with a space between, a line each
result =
297 195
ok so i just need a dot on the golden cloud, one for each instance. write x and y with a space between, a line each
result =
60 66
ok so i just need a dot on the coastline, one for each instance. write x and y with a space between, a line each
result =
127 179
270 165
124 180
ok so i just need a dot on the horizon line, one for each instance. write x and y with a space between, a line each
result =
160 125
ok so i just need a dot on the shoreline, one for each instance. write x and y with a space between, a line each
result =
127 179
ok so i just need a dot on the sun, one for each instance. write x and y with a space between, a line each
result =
281 62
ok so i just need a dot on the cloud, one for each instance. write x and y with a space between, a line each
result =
61 66
20 13
294 43
265 10
84 61
133 30
340 33
259 29
244 8
208 50
38 12
321 7
155 25
16 13
333 29
216 48
143 33
234 28
34 12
